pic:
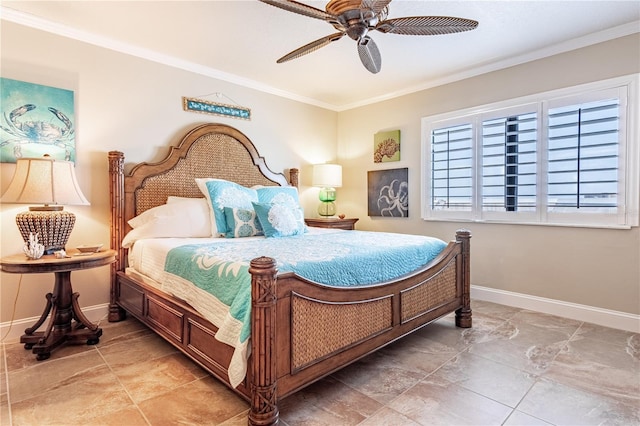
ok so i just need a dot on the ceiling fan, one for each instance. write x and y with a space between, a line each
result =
356 18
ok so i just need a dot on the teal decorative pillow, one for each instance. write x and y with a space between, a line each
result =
241 223
280 219
223 194
279 194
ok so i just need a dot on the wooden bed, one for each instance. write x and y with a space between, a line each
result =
300 331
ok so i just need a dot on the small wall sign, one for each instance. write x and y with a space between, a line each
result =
214 108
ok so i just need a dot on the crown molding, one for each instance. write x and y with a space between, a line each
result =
32 21
576 43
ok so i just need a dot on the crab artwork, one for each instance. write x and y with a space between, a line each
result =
38 132
36 120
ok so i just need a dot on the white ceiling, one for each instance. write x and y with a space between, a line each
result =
239 41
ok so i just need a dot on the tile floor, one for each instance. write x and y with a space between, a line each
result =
514 367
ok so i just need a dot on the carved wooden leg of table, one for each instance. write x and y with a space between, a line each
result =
67 323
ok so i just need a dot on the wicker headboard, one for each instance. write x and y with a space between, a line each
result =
207 151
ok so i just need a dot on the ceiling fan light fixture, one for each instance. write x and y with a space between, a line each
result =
369 55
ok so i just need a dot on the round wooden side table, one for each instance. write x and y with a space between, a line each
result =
67 322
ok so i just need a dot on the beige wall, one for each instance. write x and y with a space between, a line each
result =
594 267
133 105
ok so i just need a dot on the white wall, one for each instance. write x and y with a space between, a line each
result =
594 267
135 106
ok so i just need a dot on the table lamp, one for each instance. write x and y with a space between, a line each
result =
51 183
327 177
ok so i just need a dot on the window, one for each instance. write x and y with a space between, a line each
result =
556 158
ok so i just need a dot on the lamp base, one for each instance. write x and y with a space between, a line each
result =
327 208
52 225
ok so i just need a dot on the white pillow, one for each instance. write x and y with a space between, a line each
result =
175 199
184 218
159 227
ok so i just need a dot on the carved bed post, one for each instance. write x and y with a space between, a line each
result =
116 194
293 177
264 409
463 315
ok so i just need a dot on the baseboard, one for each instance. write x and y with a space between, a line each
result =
14 329
591 314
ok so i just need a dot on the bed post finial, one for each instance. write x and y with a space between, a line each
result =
116 194
264 408
463 315
293 177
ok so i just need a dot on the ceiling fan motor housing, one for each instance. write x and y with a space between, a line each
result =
352 18
338 7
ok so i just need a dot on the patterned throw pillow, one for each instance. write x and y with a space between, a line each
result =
241 223
278 194
202 186
280 219
223 194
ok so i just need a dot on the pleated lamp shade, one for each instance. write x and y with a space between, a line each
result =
53 184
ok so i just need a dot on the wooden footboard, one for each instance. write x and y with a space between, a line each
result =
302 331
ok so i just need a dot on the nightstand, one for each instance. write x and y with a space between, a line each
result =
332 222
62 303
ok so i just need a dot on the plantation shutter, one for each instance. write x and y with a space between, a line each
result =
452 168
509 162
583 153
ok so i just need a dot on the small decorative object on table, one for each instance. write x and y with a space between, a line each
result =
60 254
32 248
89 248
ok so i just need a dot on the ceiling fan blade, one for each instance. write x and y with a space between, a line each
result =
302 9
426 25
375 5
311 47
369 54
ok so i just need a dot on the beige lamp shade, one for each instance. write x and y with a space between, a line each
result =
51 183
327 175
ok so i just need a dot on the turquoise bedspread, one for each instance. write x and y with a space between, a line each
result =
344 258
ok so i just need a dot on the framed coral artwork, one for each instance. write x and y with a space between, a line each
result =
36 120
388 192
386 146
